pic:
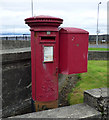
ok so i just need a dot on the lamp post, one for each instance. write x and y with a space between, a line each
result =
32 7
97 24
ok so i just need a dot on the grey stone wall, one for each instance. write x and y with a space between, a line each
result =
98 99
98 55
16 83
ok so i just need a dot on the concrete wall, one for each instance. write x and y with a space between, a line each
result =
16 83
98 55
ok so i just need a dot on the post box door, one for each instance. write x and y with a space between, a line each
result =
46 62
73 50
78 45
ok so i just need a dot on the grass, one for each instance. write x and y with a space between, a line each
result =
96 77
99 49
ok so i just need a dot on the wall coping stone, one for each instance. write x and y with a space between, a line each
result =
78 111
93 107
98 92
98 99
18 50
13 55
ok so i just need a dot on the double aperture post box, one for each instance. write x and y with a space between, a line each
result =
54 51
45 60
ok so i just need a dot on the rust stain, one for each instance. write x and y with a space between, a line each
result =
40 106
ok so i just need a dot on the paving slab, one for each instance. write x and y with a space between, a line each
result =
79 111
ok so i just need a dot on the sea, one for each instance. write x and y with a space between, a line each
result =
13 35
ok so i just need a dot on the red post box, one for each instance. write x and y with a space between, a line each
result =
44 60
73 50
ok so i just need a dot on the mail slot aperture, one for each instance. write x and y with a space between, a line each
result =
48 38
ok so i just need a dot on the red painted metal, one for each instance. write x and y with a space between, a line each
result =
73 50
44 33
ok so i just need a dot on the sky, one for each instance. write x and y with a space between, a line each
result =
108 17
75 13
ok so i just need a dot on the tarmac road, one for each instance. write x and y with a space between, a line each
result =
99 46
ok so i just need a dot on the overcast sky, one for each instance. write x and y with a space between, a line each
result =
75 13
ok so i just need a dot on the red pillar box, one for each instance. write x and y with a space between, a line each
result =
73 50
44 60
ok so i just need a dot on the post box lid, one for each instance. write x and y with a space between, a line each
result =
43 17
73 30
43 20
